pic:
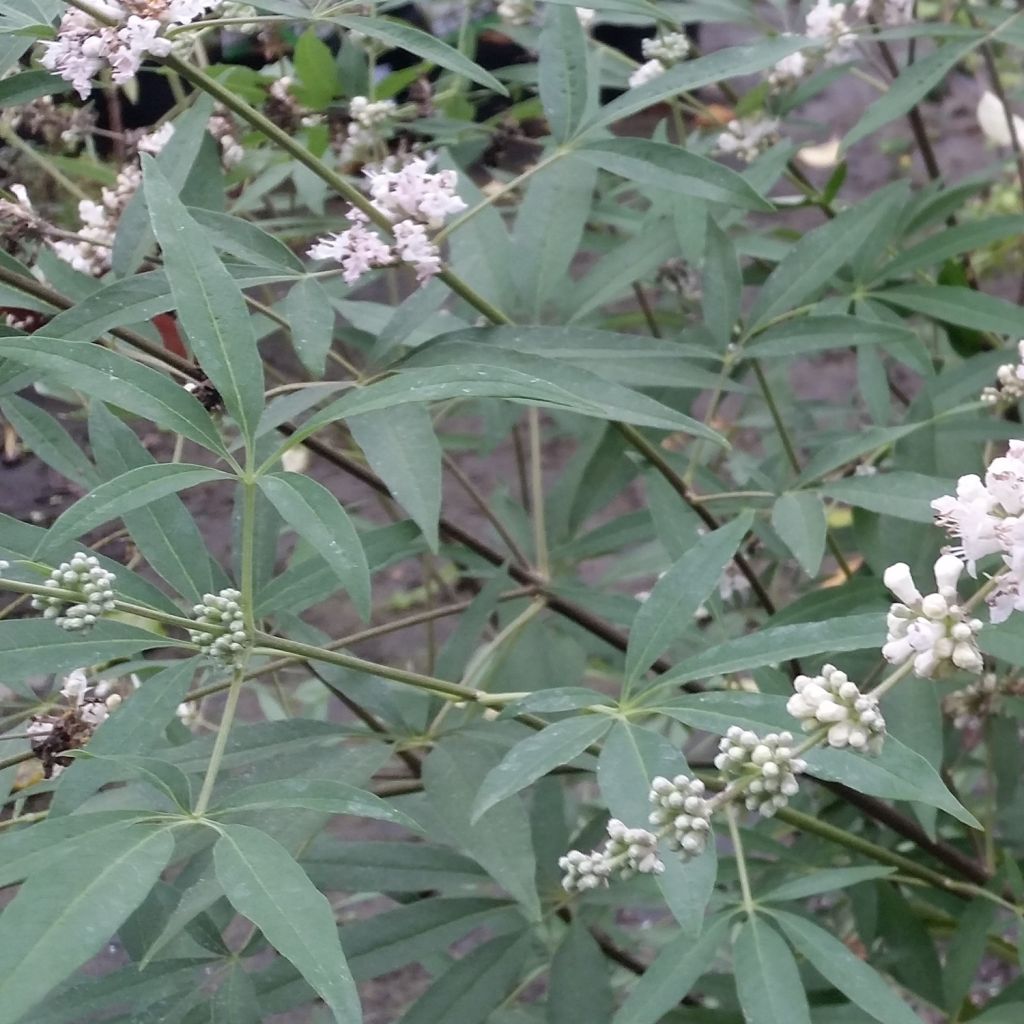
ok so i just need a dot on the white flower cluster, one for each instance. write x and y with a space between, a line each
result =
222 610
93 708
369 124
765 765
932 631
748 137
986 517
682 811
413 199
1009 387
978 700
84 46
86 577
626 852
660 54
826 23
90 253
831 699
222 130
516 13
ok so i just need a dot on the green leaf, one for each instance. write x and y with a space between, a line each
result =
326 795
661 165
722 284
389 867
264 884
311 318
563 70
806 334
317 516
952 241
675 598
403 36
236 1001
775 644
210 305
121 381
49 440
529 380
692 74
402 449
967 947
131 490
961 306
767 980
816 257
164 531
315 69
28 86
64 916
826 880
857 980
500 840
555 745
902 494
674 972
161 775
473 986
548 229
33 647
913 84
579 988
631 757
798 517
245 240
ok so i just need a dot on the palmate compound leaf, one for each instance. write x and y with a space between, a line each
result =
857 980
64 916
767 979
265 884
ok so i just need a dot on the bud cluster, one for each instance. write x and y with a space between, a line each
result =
682 811
765 764
626 852
931 631
225 611
1009 386
831 699
86 577
660 54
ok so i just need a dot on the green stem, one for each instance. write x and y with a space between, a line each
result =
540 535
230 707
741 863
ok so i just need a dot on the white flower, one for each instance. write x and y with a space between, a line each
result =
789 70
992 121
827 22
669 49
764 765
626 852
1009 387
371 114
75 687
682 810
188 713
831 699
647 72
358 250
221 609
748 137
83 575
586 16
932 630
153 142
413 247
516 12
